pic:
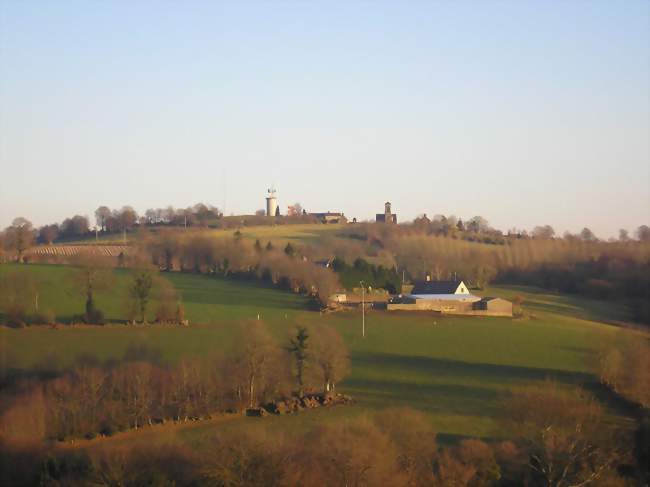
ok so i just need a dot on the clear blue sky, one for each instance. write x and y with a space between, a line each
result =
524 112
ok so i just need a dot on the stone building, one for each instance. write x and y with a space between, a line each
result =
387 216
449 297
329 217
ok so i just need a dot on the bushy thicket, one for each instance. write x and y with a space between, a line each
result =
94 398
395 447
376 276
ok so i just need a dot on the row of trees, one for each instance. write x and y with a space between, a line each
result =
559 441
117 220
453 226
100 399
146 293
624 365
202 253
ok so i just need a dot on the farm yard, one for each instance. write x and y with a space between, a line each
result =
458 370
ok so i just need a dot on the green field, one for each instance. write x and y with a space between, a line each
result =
306 233
459 370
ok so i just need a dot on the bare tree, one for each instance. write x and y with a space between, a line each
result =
294 210
330 356
643 233
545 232
564 435
413 435
258 358
93 275
478 224
19 236
353 453
586 235
140 291
48 233
625 367
167 300
102 214
165 249
125 218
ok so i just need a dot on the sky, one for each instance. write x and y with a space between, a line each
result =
525 112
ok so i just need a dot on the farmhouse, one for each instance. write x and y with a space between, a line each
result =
451 297
440 290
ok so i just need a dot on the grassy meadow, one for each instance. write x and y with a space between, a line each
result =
459 370
307 233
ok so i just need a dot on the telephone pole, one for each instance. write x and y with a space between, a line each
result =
363 308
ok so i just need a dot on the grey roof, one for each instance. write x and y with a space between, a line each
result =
435 287
446 297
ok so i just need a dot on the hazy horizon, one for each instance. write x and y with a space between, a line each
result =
525 113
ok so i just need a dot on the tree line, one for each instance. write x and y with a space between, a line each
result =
93 398
200 252
559 439
21 234
624 366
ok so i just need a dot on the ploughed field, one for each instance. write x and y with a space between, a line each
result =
459 370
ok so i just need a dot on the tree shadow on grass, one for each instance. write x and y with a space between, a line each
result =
457 368
462 388
454 399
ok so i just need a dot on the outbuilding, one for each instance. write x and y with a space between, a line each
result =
494 306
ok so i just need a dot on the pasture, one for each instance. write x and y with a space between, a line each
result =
304 233
459 370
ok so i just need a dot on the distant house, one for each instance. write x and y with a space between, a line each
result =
440 290
387 216
329 217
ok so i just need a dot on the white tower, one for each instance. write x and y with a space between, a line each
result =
271 202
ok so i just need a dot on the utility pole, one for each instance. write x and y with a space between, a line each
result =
363 308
